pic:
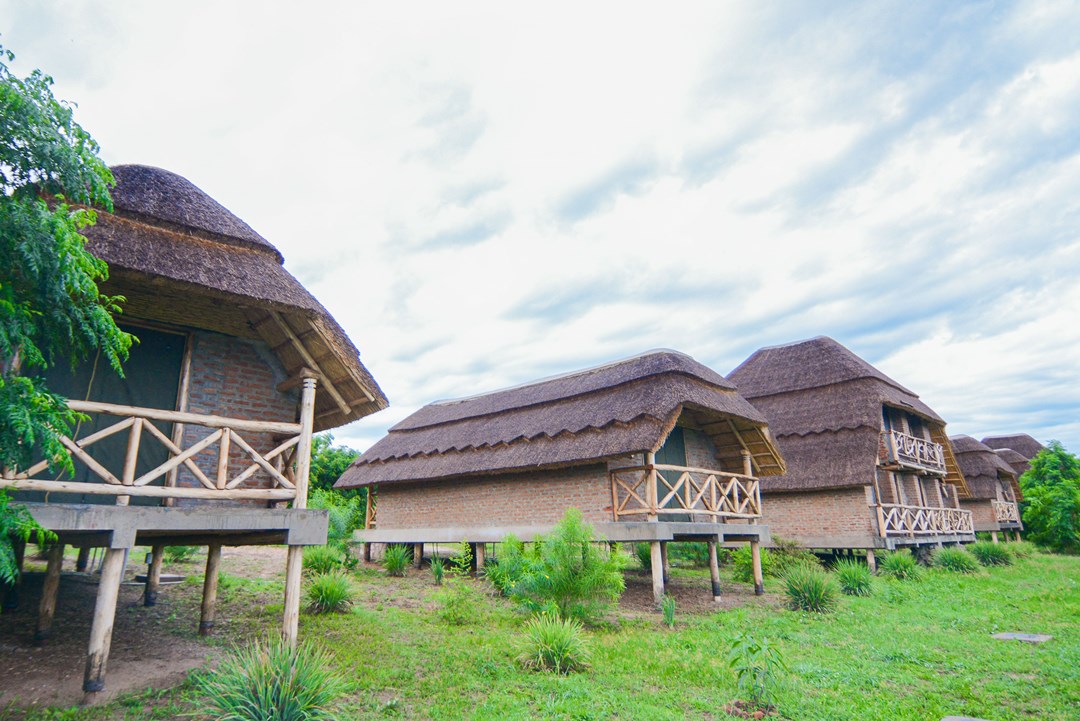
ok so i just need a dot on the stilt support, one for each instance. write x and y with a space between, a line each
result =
153 576
294 564
871 560
759 578
112 569
994 536
664 558
418 554
209 589
49 592
478 554
366 551
714 571
83 560
657 568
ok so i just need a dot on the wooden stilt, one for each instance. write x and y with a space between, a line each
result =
755 557
478 554
994 536
83 559
294 562
49 591
418 554
104 614
209 589
366 550
664 559
871 560
153 576
1016 535
714 570
657 568
291 616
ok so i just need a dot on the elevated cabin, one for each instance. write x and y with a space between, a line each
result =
1020 443
868 463
654 448
1016 461
206 440
993 490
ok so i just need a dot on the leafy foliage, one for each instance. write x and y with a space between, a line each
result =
346 514
554 644
397 558
991 554
328 462
956 560
269 681
643 554
180 554
1051 505
458 601
329 593
854 577
667 609
462 558
438 570
567 572
322 559
899 564
809 588
757 664
16 524
743 567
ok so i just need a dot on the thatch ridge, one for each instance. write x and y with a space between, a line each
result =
1022 443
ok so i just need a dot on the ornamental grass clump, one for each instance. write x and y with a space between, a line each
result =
956 560
329 593
322 559
438 570
667 608
900 565
809 588
991 554
271 681
1021 549
555 644
396 559
854 577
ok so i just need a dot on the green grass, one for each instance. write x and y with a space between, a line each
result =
908 652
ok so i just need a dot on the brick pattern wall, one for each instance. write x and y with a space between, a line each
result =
511 499
235 378
932 491
841 515
982 514
700 450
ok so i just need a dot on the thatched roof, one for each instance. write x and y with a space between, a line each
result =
824 403
580 418
1022 443
982 468
180 257
1016 461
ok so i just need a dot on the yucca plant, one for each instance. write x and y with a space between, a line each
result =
956 560
554 644
900 565
271 681
329 593
396 559
809 588
321 559
991 554
854 577
438 570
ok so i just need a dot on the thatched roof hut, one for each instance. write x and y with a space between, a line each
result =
1022 443
983 469
824 406
1016 460
586 417
181 257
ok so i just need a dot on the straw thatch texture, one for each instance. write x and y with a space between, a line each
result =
824 406
983 469
581 418
1016 461
182 258
1022 443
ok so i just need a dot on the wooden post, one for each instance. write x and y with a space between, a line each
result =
131 459
650 487
1016 536
871 560
714 570
153 575
479 557
747 463
49 591
83 559
294 562
97 658
664 561
367 551
209 589
994 536
657 568
755 557
418 554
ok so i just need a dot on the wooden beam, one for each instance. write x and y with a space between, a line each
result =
739 438
108 489
199 419
299 345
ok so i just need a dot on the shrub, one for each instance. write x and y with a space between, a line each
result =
329 593
565 572
345 514
991 554
667 607
743 566
554 644
1021 549
787 554
956 560
270 681
854 577
809 588
438 569
397 558
900 565
509 567
321 559
757 665
691 554
643 554
461 561
180 554
1051 506
458 601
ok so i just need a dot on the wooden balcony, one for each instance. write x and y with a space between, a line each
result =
660 492
901 520
904 452
1005 512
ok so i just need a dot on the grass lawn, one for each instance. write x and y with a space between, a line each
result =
914 650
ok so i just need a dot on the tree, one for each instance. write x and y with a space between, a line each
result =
1051 506
51 309
328 461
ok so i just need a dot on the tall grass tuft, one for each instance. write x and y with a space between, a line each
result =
270 681
991 554
322 559
1021 549
809 588
643 554
956 560
854 577
397 558
667 608
900 565
438 570
329 593
554 644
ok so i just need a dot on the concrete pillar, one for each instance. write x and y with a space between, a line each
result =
759 578
478 555
112 568
210 586
49 592
871 560
714 570
153 576
657 569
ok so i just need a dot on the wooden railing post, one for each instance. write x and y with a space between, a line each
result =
294 559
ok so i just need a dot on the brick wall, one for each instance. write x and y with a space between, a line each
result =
840 516
700 450
511 499
982 514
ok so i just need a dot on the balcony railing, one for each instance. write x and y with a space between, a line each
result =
899 520
913 453
652 492
225 435
1005 512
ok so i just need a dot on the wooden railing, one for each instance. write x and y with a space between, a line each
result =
911 452
225 435
371 509
1005 511
653 491
899 520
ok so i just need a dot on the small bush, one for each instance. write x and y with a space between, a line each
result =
690 554
180 554
643 554
1021 549
989 553
461 561
438 570
269 681
854 577
956 560
900 565
667 607
743 566
788 554
758 666
809 588
329 593
509 567
554 644
322 559
397 558
458 601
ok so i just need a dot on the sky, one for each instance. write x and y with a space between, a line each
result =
485 194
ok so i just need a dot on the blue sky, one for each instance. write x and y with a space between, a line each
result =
484 195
